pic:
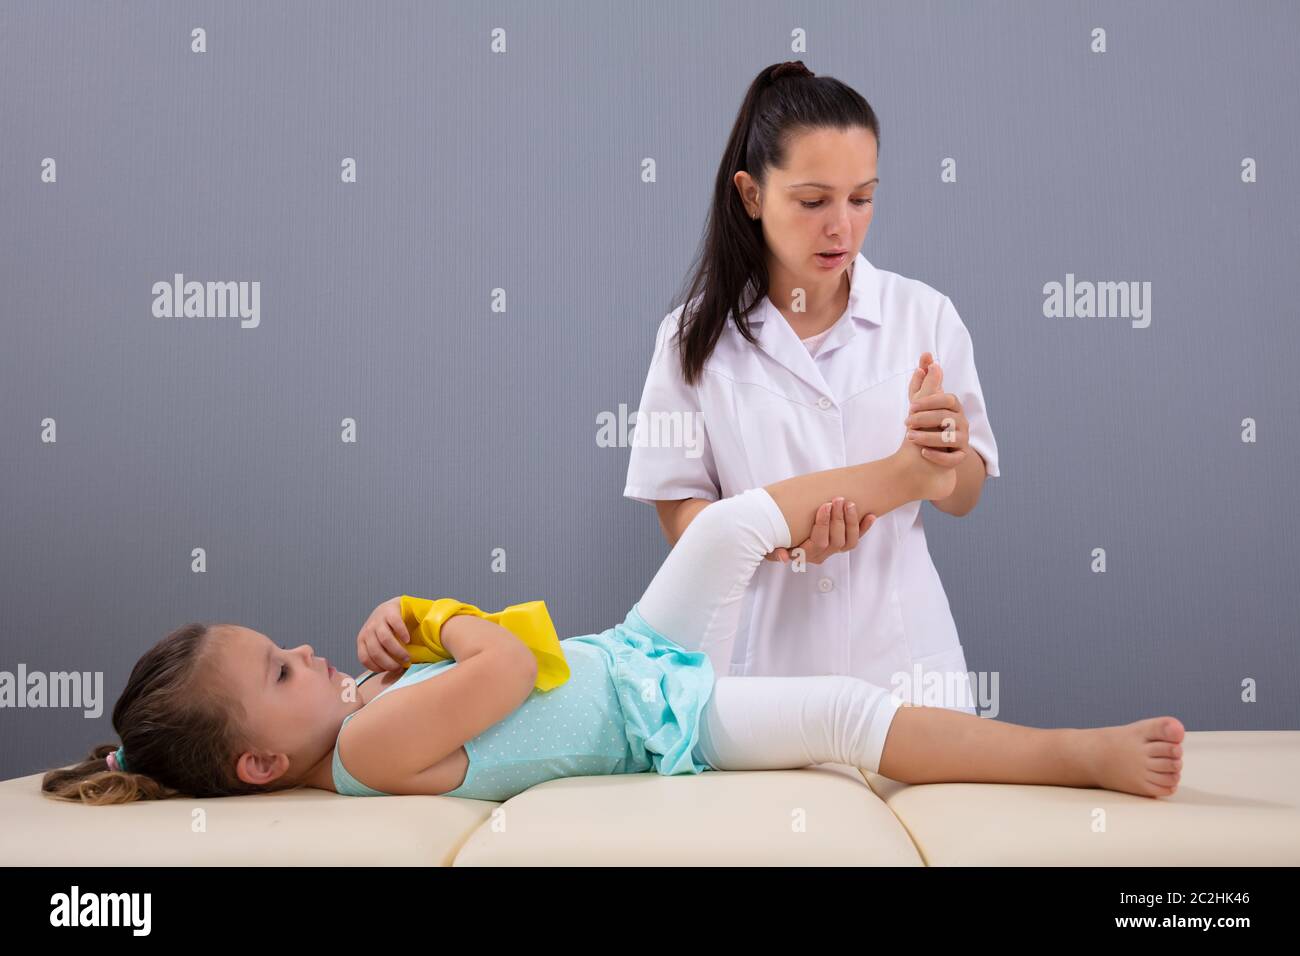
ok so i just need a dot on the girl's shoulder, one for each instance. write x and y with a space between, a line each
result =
373 683
366 744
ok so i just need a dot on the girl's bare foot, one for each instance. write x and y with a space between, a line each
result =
1144 757
933 481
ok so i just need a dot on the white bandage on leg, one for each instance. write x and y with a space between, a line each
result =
774 723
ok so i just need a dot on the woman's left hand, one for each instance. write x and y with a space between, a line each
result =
938 424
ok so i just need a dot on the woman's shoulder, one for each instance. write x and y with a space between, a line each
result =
666 336
899 285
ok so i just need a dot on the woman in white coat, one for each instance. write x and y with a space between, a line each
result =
811 377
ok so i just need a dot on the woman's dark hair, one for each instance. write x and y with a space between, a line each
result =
181 731
730 275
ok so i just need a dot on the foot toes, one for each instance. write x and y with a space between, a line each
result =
1171 729
1163 748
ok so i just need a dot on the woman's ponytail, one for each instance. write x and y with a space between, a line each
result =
730 273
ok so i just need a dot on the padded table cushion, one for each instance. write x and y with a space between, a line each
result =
1237 805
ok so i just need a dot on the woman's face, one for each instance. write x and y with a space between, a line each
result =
293 701
822 200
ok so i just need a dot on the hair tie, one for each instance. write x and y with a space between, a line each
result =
117 760
789 68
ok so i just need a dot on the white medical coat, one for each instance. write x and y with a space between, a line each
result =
773 411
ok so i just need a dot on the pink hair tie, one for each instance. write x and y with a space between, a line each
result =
116 760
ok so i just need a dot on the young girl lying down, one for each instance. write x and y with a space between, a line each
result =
218 710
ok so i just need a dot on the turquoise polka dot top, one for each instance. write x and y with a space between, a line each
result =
633 702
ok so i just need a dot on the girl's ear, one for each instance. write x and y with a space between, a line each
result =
261 769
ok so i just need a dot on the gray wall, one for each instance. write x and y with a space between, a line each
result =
521 171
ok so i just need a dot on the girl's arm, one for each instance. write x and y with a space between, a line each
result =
408 730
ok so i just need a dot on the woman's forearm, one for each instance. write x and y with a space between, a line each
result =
876 486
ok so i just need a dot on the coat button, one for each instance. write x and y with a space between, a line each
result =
825 584
823 402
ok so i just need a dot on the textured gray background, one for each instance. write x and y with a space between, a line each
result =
521 171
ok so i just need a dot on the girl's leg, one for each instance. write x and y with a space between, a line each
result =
934 744
769 723
695 596
772 723
876 487
776 723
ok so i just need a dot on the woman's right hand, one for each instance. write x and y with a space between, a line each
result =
836 528
381 639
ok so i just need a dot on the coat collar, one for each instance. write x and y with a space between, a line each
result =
779 340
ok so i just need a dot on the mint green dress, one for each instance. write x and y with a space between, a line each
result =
633 702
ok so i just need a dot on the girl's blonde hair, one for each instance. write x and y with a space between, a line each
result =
180 729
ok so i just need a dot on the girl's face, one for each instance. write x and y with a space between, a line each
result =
822 200
294 702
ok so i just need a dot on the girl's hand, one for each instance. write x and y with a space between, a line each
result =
936 421
835 529
379 643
